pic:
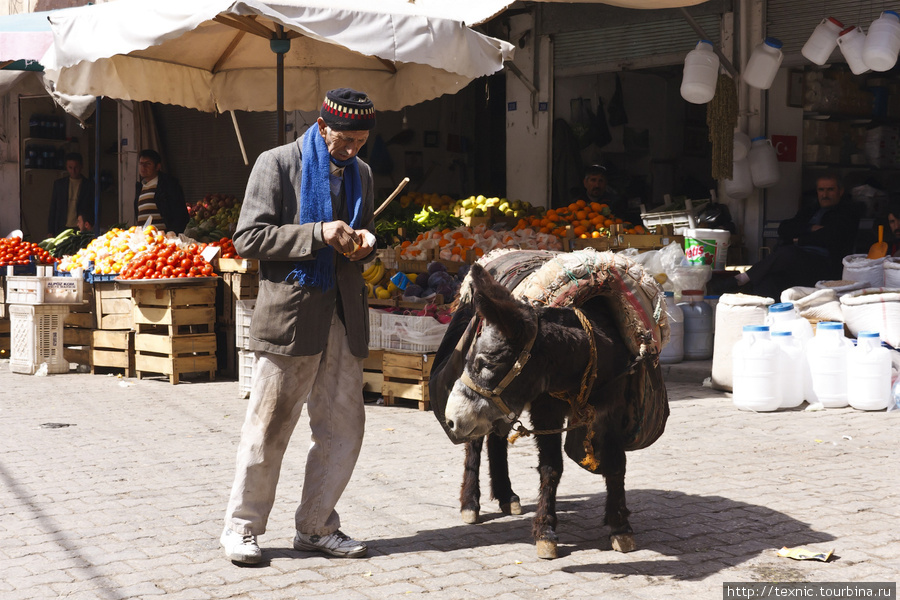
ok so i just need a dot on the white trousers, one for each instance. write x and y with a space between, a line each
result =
330 383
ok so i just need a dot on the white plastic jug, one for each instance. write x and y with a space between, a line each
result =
698 328
741 145
701 71
868 373
823 41
755 367
791 380
763 163
763 64
827 356
673 352
784 317
741 183
883 42
852 42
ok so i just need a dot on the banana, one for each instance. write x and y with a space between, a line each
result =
375 273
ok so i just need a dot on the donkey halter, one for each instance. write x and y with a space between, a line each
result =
510 416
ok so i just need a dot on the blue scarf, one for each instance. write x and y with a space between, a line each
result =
315 205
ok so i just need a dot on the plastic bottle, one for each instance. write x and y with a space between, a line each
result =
741 183
763 64
895 396
852 42
755 367
823 41
698 328
763 163
868 373
883 42
791 380
701 71
741 145
673 352
784 317
827 356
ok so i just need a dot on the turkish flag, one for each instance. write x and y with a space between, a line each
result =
786 147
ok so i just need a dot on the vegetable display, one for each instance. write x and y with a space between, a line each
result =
13 251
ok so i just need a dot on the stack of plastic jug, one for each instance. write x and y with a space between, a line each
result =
827 356
783 317
763 163
701 71
823 41
868 373
673 352
852 42
883 42
791 371
698 327
755 366
763 64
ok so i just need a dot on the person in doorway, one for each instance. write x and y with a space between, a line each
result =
158 195
892 235
812 246
308 217
596 189
72 195
84 223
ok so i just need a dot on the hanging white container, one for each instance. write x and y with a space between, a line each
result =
741 145
823 41
868 373
883 42
791 385
763 163
852 42
701 70
755 369
827 356
763 64
741 183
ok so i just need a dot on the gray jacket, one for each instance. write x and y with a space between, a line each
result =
290 319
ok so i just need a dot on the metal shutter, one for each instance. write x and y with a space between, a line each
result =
793 22
604 49
202 151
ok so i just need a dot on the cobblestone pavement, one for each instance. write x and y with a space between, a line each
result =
127 499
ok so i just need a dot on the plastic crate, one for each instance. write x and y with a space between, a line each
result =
375 317
411 333
243 311
36 338
246 362
40 289
678 219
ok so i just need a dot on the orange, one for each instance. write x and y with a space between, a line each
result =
581 203
596 206
595 234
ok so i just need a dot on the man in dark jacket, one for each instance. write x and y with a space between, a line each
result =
813 245
71 196
158 195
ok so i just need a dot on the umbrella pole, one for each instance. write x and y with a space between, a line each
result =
280 45
96 222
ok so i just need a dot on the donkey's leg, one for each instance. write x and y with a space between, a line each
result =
612 466
470 493
550 467
501 487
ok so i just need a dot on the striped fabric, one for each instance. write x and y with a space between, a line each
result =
147 205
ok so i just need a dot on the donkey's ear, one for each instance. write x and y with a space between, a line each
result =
497 306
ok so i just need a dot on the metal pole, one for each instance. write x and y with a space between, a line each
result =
280 45
96 222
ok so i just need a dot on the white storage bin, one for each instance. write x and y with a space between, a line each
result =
375 337
36 289
411 333
246 362
243 311
36 337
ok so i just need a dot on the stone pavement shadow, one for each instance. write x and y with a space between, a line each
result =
696 535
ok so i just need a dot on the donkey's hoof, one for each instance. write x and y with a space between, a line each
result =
469 516
546 548
513 508
623 542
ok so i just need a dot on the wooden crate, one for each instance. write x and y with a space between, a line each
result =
235 287
406 376
237 265
113 306
175 310
373 379
4 337
226 350
112 350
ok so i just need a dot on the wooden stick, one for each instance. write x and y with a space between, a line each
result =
391 197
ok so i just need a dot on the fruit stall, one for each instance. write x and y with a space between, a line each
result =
180 306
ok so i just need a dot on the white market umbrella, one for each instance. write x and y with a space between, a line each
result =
220 55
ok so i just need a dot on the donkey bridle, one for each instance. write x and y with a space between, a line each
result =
493 395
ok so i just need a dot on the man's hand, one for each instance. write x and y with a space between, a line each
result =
816 227
340 236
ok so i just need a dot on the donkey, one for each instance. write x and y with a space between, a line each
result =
575 361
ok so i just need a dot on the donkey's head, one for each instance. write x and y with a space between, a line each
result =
493 388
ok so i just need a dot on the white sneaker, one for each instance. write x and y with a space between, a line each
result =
336 544
241 548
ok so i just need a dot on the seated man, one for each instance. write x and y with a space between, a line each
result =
596 189
812 246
